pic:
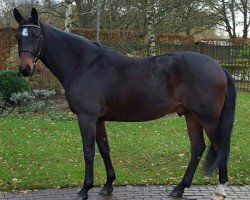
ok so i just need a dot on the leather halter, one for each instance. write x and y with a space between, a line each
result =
39 50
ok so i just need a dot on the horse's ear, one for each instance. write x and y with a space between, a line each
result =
34 15
17 15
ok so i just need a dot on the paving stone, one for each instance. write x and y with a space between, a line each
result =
153 192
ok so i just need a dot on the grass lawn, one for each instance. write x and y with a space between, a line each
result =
45 151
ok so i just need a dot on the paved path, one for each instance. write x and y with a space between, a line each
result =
128 192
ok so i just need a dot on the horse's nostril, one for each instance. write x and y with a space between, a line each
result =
28 68
25 70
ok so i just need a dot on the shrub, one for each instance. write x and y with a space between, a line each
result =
21 97
1 102
44 94
36 101
11 83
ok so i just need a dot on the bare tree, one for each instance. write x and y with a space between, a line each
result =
188 17
176 16
86 13
68 15
150 14
53 12
244 8
228 10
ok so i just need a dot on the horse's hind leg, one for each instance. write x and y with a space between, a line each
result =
197 148
212 130
220 192
102 142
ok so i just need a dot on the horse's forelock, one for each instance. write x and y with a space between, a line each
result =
26 20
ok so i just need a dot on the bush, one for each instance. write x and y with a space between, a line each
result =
11 83
21 98
44 94
2 102
36 101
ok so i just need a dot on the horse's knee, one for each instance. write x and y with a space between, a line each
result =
89 156
88 159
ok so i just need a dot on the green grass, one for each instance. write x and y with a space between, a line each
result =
46 151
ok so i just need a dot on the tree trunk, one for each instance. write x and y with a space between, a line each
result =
150 28
68 16
188 18
224 11
245 10
232 8
98 20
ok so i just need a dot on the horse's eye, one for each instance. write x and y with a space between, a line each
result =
35 36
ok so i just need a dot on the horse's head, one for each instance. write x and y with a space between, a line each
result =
29 37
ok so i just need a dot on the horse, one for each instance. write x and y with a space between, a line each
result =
104 85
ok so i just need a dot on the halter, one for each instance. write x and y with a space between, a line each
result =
36 55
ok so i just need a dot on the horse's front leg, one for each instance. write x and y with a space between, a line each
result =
103 145
87 127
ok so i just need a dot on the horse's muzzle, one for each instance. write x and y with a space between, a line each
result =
26 65
25 70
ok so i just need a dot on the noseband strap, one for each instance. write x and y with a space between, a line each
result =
37 54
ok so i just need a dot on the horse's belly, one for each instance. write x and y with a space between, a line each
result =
143 110
147 99
133 117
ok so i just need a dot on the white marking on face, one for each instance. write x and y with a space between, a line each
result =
25 32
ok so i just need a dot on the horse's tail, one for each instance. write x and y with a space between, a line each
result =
220 158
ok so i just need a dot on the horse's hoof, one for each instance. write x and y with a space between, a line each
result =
79 197
176 193
217 196
106 191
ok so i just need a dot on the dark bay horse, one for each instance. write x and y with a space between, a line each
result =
103 85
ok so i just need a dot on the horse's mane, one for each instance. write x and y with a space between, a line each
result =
94 45
71 35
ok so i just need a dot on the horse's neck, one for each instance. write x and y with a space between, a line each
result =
62 54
